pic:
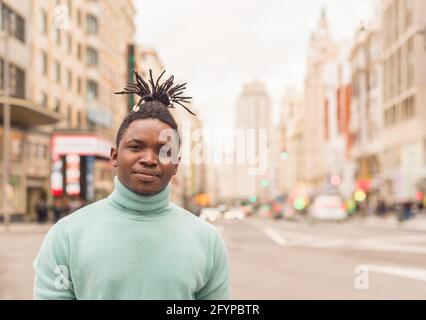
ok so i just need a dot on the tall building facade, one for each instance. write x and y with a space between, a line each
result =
28 165
366 111
404 94
291 142
254 177
77 56
320 51
336 79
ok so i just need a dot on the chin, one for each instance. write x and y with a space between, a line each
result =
147 191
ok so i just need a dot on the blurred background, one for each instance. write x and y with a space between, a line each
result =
338 87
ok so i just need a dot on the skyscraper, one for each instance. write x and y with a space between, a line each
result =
253 118
320 51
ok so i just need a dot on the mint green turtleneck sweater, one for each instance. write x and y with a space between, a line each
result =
132 247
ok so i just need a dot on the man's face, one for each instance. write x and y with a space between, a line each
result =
142 161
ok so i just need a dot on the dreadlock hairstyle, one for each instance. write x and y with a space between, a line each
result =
154 101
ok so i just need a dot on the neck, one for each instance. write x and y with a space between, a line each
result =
139 206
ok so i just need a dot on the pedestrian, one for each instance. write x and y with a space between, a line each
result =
42 210
65 206
381 208
75 204
408 210
136 244
56 210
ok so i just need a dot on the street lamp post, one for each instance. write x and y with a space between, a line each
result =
6 125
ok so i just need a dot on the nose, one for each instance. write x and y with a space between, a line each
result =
149 158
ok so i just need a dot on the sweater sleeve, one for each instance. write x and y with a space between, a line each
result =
52 279
217 286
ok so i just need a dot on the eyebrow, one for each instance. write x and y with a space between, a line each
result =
135 140
139 141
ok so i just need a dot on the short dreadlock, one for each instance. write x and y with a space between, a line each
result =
154 101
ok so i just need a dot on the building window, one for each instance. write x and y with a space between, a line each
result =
58 105
69 79
79 118
408 13
44 63
45 152
17 81
69 118
43 100
79 18
410 111
92 89
79 51
79 85
1 74
43 21
58 36
410 63
69 5
12 22
91 24
92 57
69 44
58 72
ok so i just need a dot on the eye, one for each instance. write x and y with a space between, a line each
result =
165 152
134 147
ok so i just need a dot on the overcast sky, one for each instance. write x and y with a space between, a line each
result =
217 46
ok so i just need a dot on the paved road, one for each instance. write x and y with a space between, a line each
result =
18 248
280 260
296 260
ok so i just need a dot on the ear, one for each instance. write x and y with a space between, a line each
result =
176 166
114 157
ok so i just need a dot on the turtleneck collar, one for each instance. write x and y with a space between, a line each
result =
139 207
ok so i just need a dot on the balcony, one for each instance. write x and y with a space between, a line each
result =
27 113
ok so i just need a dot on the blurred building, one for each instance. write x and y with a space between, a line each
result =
29 150
191 180
291 142
189 186
366 111
148 58
77 56
320 51
403 29
336 79
253 115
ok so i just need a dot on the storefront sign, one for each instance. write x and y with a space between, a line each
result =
83 145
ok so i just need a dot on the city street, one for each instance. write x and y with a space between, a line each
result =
281 259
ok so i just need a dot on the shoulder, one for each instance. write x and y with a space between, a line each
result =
81 217
194 223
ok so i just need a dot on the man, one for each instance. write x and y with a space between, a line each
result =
42 210
135 244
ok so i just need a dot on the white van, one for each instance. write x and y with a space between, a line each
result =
327 207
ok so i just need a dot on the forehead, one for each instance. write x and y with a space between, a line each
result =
148 130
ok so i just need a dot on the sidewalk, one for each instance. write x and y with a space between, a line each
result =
20 227
18 249
418 223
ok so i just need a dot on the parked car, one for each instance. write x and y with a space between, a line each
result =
210 214
234 213
327 207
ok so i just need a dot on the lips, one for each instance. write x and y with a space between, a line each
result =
146 175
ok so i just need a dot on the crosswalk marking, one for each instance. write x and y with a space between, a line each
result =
409 273
275 236
400 244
